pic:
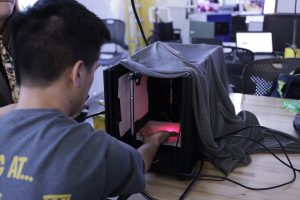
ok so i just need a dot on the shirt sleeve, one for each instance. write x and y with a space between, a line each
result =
125 168
113 166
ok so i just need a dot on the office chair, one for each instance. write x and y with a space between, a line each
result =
5 95
163 29
117 31
235 59
259 77
164 32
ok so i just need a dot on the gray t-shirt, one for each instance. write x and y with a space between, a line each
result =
46 155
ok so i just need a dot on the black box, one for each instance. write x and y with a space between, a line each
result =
166 100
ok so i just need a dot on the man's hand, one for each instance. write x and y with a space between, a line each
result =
6 109
149 134
152 139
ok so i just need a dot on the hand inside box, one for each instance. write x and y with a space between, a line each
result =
153 127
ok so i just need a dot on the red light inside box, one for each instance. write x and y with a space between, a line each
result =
166 126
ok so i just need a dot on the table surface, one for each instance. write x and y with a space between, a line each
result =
264 171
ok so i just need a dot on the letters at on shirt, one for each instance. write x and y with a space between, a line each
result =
15 168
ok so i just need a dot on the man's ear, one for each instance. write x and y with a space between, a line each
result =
76 75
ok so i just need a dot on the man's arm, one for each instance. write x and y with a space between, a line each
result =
151 144
6 109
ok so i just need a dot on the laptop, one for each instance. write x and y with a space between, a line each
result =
257 42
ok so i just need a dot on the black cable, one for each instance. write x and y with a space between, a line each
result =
192 182
272 132
270 151
93 115
258 126
220 178
139 22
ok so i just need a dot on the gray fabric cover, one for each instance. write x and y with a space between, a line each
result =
214 113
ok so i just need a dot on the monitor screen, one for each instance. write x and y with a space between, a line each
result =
200 29
257 42
252 6
229 2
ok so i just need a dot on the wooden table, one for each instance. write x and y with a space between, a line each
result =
264 171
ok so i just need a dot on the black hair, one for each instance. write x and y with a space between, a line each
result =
51 36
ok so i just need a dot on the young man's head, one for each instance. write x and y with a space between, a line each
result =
55 36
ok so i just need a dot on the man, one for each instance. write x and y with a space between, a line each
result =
44 154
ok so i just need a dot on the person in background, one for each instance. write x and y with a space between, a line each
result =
7 10
45 154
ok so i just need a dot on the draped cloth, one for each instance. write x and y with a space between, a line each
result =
213 112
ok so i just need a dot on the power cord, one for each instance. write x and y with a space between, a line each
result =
272 132
195 178
83 116
139 22
290 165
221 178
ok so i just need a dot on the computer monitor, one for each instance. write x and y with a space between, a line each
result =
229 5
199 29
281 27
257 42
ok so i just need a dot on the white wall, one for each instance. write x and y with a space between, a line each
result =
102 8
106 8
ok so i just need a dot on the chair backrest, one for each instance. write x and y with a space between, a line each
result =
259 77
235 59
159 14
5 95
117 31
237 55
163 32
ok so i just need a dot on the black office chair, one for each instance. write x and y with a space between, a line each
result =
259 77
117 30
164 32
235 59
5 94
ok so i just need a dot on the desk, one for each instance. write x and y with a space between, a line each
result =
264 171
262 56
